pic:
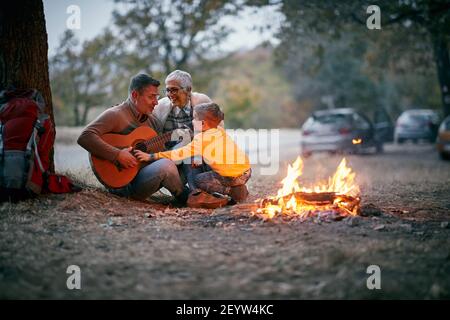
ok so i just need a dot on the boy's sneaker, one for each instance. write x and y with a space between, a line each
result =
239 193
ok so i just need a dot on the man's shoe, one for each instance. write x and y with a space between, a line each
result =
202 199
121 192
182 198
239 193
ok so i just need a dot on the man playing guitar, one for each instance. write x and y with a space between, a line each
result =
122 119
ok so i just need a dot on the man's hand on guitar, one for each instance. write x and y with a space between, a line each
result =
145 157
126 159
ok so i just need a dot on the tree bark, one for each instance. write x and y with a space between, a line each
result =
24 49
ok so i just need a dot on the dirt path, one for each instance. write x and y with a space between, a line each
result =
128 249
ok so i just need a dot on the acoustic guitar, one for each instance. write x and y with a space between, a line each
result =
112 174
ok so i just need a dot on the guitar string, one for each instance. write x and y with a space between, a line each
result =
157 141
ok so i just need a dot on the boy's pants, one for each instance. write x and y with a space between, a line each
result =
206 179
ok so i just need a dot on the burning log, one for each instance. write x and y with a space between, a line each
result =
317 199
313 198
339 196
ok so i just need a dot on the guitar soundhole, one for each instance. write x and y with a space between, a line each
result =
140 146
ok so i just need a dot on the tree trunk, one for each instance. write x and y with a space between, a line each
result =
76 112
441 55
24 49
85 114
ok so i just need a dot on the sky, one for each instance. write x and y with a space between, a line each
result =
95 15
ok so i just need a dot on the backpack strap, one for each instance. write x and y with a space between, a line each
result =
32 145
36 153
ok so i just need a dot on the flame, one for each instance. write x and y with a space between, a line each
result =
341 185
290 183
356 141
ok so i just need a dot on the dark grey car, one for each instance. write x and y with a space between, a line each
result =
341 130
417 124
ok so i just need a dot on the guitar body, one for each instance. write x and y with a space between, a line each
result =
110 174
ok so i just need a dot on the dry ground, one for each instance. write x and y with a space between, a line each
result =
129 249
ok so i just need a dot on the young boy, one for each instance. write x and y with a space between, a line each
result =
226 168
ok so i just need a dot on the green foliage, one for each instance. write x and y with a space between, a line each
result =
253 92
150 36
326 57
390 67
170 34
82 78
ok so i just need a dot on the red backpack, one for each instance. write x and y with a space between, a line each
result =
26 139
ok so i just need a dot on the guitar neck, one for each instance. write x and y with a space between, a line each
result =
156 144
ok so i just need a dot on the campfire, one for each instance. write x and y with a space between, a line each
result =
337 198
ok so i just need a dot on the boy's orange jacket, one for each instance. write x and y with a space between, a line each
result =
218 151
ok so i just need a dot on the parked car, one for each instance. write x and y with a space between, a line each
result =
417 124
443 140
339 130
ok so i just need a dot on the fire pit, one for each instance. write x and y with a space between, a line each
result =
338 197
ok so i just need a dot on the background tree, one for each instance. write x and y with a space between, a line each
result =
254 93
148 36
168 34
84 77
423 25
